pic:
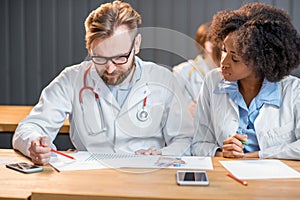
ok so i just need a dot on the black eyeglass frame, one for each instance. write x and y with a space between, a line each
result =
114 57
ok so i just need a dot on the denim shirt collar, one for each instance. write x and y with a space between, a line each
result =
268 94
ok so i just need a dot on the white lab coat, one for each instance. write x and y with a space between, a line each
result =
169 127
190 80
277 129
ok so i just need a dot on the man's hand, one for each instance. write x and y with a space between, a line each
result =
40 150
150 151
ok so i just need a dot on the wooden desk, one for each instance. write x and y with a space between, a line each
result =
10 116
16 185
161 184
136 184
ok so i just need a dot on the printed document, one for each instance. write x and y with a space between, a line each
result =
87 161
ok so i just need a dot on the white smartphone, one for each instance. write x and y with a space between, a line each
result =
24 167
192 178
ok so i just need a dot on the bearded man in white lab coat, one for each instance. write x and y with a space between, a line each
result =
116 102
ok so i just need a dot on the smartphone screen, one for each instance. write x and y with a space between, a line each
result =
192 178
25 167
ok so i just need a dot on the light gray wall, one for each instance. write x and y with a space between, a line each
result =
38 38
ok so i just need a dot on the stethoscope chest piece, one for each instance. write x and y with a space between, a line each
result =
142 115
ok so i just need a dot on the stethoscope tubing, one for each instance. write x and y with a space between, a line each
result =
142 115
85 87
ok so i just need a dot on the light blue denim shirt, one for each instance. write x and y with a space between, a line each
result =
268 94
121 92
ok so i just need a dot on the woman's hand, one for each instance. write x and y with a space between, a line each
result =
233 146
40 151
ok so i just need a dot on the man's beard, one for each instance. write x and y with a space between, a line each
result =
116 80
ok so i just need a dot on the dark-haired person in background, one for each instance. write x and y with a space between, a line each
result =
251 98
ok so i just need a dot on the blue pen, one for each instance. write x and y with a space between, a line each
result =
177 165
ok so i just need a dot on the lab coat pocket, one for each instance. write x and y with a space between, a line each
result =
281 135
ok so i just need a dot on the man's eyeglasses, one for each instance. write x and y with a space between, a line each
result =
117 60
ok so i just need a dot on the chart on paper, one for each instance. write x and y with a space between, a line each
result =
86 161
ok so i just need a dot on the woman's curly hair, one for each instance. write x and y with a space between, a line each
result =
264 38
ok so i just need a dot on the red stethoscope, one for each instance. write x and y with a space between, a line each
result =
142 115
85 87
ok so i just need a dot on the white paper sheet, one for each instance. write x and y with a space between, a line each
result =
5 160
260 169
87 161
62 163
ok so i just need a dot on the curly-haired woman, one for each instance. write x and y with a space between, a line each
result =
250 106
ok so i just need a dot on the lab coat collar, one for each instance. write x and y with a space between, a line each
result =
232 89
229 87
139 90
120 92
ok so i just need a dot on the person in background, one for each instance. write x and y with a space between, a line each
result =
250 106
116 102
190 74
